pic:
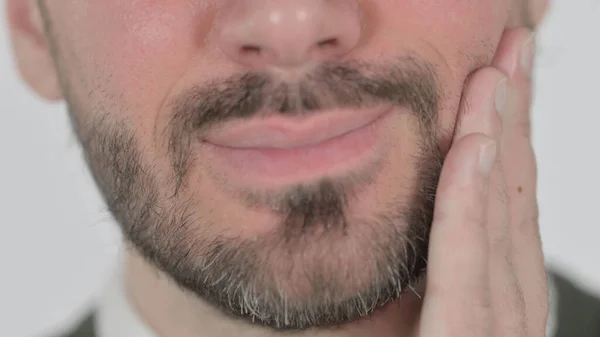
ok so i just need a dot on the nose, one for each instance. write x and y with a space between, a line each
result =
288 33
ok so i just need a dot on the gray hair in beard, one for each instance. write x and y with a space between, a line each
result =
230 273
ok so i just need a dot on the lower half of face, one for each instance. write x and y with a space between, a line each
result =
294 237
294 203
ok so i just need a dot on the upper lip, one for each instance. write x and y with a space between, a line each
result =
281 132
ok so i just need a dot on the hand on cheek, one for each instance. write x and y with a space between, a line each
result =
486 272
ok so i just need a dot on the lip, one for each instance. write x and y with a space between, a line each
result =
280 132
327 145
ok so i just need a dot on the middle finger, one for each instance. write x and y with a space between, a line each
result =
506 295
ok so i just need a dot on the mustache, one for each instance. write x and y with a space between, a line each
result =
407 82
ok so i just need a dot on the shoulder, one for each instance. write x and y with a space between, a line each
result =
578 311
84 328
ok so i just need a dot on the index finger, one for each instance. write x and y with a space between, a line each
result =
457 298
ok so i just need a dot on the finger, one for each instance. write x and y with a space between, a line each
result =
457 298
515 57
537 11
480 114
485 93
506 292
512 59
457 295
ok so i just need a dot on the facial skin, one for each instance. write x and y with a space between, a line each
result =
150 84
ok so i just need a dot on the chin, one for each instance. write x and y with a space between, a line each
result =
316 254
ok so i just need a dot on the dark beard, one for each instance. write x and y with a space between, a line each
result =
243 277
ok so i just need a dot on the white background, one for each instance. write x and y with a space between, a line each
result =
57 241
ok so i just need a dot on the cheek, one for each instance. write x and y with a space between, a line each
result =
137 50
459 36
457 30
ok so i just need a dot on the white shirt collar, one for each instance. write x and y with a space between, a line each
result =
116 317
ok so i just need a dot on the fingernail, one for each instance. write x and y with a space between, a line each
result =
528 55
487 157
501 95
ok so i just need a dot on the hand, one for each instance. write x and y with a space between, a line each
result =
486 274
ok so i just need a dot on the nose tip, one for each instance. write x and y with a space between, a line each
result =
263 33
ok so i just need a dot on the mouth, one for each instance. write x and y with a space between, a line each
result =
278 149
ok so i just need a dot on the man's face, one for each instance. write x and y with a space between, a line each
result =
277 158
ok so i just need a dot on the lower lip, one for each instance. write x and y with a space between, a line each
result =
337 155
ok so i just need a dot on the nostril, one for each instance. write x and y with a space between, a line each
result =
328 43
287 34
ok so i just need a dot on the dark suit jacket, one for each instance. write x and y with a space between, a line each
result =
578 313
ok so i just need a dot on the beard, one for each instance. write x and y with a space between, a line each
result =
317 268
